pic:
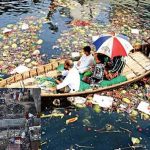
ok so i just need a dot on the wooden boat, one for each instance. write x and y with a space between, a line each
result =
137 66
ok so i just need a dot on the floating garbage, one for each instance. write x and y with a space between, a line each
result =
144 107
71 120
77 100
145 116
103 101
56 102
135 31
126 100
55 113
135 140
18 42
97 108
108 127
133 113
80 23
6 30
25 26
36 52
124 21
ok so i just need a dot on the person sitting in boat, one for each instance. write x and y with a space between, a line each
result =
63 74
114 68
71 82
85 61
96 70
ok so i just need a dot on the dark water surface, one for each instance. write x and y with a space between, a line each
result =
89 131
11 11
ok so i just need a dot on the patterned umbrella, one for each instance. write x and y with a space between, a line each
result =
113 45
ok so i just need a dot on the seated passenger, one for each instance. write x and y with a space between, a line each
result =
114 68
63 74
71 82
85 61
97 71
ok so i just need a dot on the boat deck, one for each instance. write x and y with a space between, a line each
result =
136 64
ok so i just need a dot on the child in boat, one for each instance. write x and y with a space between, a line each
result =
85 61
71 82
97 71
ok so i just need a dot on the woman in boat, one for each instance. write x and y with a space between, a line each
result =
114 67
85 61
71 82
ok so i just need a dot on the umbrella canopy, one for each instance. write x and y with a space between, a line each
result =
113 45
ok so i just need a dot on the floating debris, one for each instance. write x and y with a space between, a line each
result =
71 120
135 140
19 42
125 99
55 113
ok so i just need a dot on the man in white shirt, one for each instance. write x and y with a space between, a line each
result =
71 82
85 61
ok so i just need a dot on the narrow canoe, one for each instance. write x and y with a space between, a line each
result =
137 66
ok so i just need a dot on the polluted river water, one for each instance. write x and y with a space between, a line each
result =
41 26
38 27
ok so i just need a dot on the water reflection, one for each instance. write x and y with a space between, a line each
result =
37 1
14 6
52 9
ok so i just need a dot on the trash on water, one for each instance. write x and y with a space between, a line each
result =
6 30
36 52
103 101
80 23
133 113
144 107
123 91
56 102
24 26
126 100
40 41
79 100
71 120
145 116
97 108
135 31
135 140
109 127
53 114
21 38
